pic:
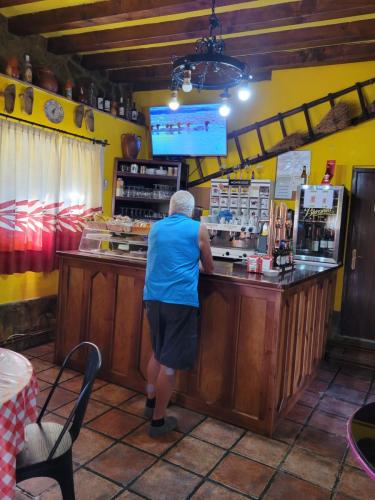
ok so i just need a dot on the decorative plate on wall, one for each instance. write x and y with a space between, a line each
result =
54 111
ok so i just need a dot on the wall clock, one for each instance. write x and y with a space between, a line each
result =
54 111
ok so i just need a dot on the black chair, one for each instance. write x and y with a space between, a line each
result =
48 445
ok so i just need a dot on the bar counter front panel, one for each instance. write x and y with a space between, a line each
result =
260 340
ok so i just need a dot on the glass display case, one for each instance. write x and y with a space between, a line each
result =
120 244
319 224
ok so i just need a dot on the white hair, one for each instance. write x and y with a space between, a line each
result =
182 202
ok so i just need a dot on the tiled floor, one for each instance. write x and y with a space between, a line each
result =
205 458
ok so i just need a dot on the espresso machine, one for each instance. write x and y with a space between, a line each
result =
239 217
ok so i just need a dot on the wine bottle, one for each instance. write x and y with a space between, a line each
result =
324 241
107 104
121 109
331 240
316 240
100 102
134 113
308 238
27 69
304 175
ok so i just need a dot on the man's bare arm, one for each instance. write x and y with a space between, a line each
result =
207 263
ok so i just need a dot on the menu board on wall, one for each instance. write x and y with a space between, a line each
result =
288 173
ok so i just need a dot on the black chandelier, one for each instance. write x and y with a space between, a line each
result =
209 68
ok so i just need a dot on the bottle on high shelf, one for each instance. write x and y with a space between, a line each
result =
107 103
121 108
128 109
304 175
134 113
27 69
92 97
308 241
81 94
100 101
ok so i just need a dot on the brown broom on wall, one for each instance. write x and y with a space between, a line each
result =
289 142
337 118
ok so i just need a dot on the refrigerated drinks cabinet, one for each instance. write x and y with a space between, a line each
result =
319 224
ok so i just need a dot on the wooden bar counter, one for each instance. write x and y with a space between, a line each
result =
260 340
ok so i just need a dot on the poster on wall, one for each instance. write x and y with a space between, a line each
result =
288 173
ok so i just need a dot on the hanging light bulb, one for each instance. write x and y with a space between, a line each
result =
244 92
173 103
186 85
224 109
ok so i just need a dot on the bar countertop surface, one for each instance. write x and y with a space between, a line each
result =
227 271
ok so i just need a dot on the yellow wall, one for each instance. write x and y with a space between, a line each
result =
288 89
30 285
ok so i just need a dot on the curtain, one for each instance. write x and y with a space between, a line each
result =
48 183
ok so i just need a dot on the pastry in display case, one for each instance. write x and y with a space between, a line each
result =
118 237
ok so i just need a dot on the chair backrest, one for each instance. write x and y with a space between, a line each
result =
75 419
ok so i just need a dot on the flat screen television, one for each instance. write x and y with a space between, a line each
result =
192 130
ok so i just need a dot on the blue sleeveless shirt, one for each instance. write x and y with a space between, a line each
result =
172 271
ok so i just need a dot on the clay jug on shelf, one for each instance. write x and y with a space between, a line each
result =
131 145
47 80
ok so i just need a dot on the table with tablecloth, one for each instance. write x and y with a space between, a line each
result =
18 393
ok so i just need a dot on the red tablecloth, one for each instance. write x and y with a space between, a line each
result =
18 392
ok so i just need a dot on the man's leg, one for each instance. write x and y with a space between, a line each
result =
164 390
153 369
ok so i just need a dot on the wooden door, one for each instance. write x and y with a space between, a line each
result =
358 315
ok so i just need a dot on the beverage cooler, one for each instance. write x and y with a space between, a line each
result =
319 224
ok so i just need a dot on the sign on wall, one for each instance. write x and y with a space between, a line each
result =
288 173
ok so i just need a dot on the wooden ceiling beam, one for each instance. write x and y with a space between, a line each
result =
106 12
153 78
359 31
245 20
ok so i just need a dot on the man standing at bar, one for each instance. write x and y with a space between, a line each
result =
178 248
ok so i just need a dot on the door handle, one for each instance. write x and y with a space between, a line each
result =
354 259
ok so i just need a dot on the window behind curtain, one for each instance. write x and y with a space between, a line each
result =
48 183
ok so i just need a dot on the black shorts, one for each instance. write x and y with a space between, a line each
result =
174 333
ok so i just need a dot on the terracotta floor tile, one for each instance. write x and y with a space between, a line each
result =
128 495
195 455
51 374
112 394
329 365
287 487
187 419
326 375
164 481
322 443
330 404
243 475
94 409
75 384
287 431
40 365
115 423
329 423
318 386
352 382
39 350
357 372
87 486
37 485
216 492
356 483
342 496
309 399
300 413
59 398
261 449
135 405
314 468
217 432
121 463
88 445
140 439
43 385
351 395
51 417
48 357
352 461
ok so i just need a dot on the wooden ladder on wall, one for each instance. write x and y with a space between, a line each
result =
311 136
